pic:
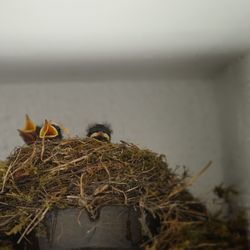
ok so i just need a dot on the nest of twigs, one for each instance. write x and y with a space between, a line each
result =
87 173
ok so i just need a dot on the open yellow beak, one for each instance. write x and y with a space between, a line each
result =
29 125
48 130
28 132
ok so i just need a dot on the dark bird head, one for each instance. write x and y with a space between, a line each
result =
30 131
101 132
50 131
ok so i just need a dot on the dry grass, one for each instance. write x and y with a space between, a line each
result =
89 174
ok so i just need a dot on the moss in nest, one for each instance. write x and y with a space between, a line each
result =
87 173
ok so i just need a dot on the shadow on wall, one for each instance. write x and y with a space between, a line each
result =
233 100
148 67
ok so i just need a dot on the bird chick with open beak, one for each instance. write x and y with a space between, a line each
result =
30 131
50 131
101 132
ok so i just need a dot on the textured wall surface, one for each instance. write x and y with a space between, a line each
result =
175 117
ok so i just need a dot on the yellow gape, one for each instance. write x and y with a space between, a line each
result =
48 130
29 125
98 135
28 132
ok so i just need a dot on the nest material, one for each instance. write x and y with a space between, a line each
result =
87 173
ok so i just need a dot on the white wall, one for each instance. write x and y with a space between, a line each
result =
178 118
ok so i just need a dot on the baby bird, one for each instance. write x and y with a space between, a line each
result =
50 131
30 131
101 132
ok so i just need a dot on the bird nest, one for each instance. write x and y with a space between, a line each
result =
86 173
